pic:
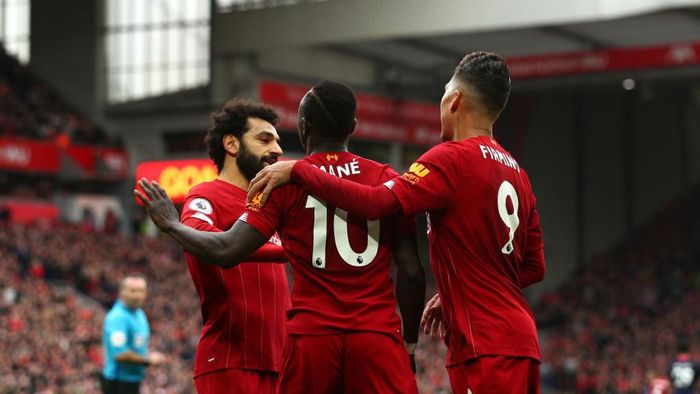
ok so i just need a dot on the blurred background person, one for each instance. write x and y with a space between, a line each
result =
125 338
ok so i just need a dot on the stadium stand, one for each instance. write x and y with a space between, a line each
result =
621 316
55 283
30 108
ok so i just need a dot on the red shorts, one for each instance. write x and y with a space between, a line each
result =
235 381
496 375
353 362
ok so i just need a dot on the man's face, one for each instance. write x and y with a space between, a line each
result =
133 292
447 117
259 147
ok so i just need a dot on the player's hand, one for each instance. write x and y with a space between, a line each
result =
269 178
159 206
432 318
157 358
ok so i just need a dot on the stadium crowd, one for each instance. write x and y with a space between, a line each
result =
30 108
56 283
618 319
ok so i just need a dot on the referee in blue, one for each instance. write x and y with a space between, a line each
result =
125 337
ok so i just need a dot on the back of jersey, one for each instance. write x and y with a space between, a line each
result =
483 239
684 375
341 263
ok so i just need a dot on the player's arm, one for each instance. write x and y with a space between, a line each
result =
341 193
425 187
225 249
410 287
533 268
200 221
132 357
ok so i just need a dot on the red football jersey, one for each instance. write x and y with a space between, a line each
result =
341 264
243 308
485 238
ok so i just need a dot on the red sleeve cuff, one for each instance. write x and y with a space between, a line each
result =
259 223
400 190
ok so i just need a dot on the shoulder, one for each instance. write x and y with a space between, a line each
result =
443 156
202 197
380 168
204 189
115 315
286 193
142 315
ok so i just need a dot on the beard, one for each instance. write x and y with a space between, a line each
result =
249 164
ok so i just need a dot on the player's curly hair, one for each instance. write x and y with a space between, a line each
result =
233 119
331 107
487 73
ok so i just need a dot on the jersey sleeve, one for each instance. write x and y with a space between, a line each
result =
405 225
198 212
266 218
428 183
117 334
533 267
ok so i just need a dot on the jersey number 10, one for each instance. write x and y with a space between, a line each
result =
340 234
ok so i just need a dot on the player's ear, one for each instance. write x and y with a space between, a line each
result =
455 100
231 144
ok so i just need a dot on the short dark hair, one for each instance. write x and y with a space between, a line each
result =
487 73
233 119
330 106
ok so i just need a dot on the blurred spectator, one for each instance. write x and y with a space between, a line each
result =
684 371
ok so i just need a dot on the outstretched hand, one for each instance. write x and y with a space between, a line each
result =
158 205
431 321
269 178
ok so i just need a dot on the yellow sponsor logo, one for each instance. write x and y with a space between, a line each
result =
419 170
332 156
415 173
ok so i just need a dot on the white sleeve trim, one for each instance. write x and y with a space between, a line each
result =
203 217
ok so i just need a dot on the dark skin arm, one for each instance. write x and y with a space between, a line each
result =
410 287
225 249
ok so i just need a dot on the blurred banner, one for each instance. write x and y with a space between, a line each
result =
378 118
29 156
28 212
617 59
177 177
70 162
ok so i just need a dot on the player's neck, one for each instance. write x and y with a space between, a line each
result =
234 177
327 147
471 132
473 126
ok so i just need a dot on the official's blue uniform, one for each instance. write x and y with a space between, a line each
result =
124 329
